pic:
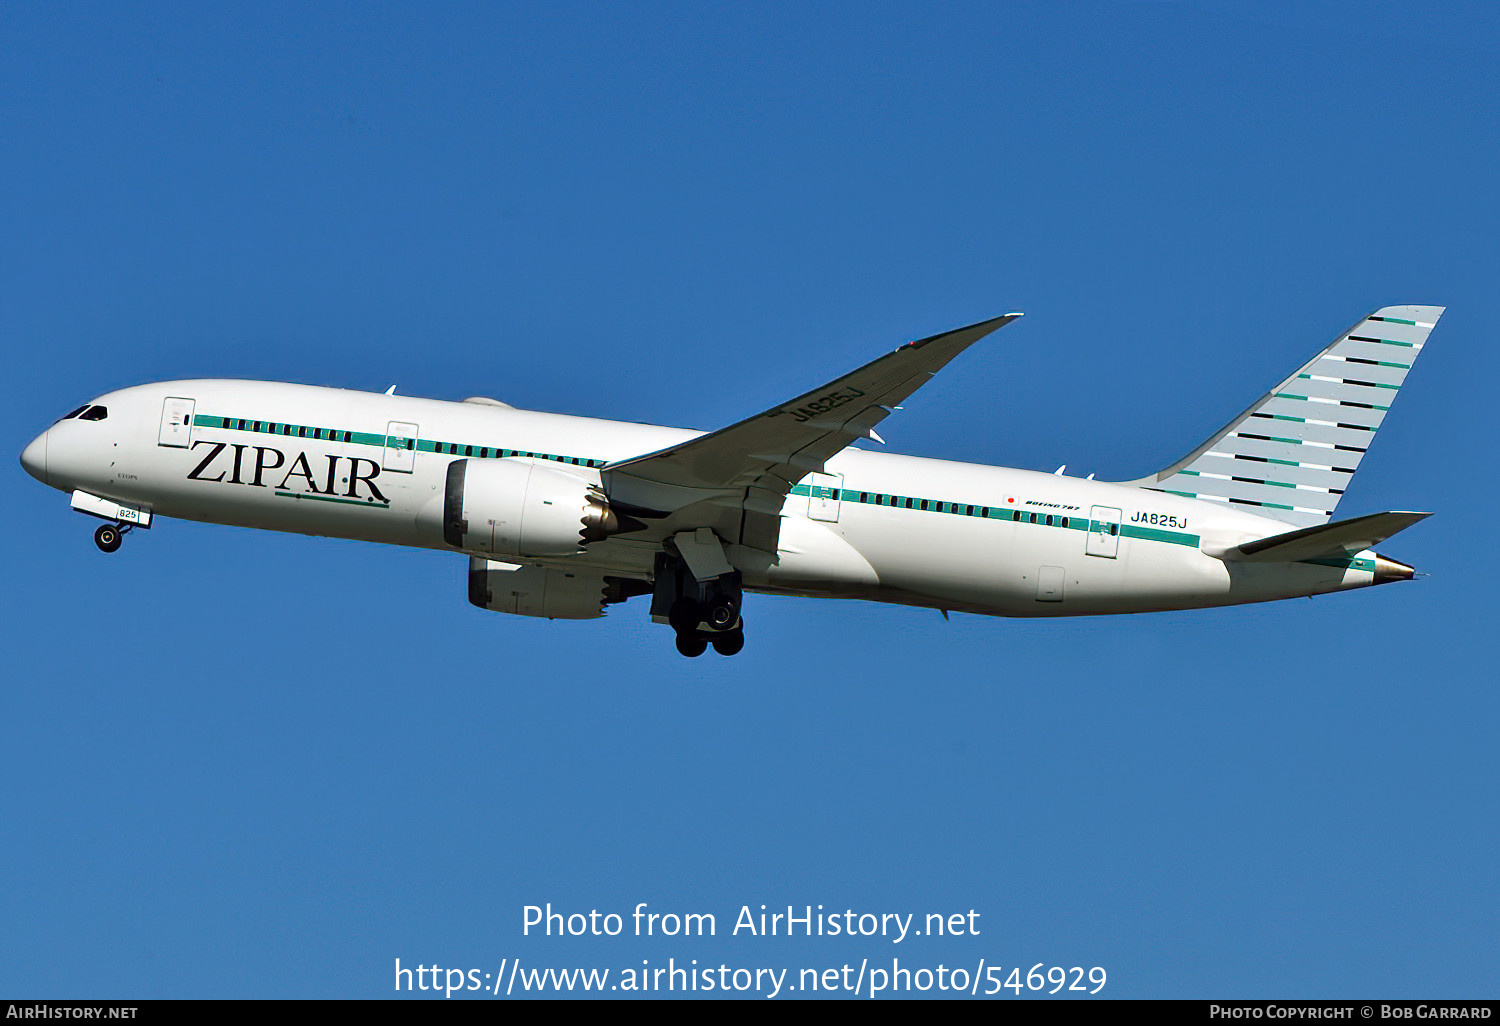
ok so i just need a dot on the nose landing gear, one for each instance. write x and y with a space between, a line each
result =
109 536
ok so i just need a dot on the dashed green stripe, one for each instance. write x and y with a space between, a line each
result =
340 436
1356 383
1059 520
1235 480
1359 384
1335 402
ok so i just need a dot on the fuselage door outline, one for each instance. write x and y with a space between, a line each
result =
176 423
1104 532
824 496
400 447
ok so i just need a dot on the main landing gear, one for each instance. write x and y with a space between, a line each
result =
109 536
724 630
702 613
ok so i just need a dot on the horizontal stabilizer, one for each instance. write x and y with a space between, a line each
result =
1341 538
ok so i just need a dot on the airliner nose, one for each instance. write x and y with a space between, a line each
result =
34 458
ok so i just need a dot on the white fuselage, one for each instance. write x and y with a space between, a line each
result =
319 461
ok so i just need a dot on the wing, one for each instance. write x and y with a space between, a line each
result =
735 480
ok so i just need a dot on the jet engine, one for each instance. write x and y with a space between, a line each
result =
512 508
537 590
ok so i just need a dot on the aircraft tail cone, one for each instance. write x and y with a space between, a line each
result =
1388 570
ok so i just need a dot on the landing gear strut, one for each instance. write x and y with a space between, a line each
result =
702 613
109 536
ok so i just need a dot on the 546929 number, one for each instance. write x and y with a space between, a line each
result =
1053 980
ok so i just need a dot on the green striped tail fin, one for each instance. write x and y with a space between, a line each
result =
1293 452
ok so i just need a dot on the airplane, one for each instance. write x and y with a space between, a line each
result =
563 516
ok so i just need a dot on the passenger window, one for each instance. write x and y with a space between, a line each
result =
94 413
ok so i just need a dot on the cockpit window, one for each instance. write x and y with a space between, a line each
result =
94 413
75 413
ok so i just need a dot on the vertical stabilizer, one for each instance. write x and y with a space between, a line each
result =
1292 453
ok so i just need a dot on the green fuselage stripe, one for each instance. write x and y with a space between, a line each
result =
463 450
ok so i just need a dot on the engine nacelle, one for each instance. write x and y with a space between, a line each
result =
536 590
510 508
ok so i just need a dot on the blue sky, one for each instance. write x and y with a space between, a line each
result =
244 764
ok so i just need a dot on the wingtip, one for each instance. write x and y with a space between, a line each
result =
1015 313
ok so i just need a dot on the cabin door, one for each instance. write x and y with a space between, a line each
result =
823 496
176 423
400 447
1104 532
